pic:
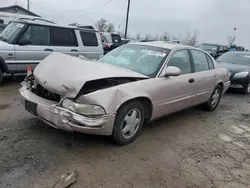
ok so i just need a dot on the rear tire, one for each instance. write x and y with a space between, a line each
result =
1 76
128 123
214 99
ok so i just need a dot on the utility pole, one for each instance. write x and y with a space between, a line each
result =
28 4
126 28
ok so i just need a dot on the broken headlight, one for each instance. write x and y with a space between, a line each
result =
83 109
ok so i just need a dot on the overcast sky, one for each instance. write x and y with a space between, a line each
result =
213 19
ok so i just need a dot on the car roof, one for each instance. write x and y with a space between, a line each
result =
163 44
44 22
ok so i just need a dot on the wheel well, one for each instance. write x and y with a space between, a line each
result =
3 66
147 105
221 84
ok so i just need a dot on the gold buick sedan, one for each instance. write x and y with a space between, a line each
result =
133 84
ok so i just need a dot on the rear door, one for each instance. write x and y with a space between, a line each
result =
37 49
64 41
205 76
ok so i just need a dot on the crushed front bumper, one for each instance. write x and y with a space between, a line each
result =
64 119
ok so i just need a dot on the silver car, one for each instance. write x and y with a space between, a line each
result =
27 42
130 85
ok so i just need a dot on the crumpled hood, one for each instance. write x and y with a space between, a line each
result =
66 75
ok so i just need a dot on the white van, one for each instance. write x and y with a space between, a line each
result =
27 42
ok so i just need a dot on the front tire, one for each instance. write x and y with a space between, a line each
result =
128 123
214 99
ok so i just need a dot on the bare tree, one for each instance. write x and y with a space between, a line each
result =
101 25
156 37
148 37
138 36
190 38
166 36
110 28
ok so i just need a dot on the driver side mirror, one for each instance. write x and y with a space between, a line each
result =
172 71
24 41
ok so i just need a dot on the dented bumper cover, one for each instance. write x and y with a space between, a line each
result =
64 119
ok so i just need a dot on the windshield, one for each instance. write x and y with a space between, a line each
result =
209 47
235 58
11 31
142 59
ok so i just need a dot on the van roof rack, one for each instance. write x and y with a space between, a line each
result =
37 19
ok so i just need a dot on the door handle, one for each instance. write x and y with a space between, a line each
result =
48 49
74 50
191 80
215 75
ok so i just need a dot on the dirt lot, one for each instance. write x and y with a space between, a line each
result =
191 149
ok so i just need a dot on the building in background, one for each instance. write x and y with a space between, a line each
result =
15 12
16 9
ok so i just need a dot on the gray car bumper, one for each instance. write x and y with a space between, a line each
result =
64 119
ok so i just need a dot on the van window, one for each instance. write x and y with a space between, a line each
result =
37 35
63 37
89 38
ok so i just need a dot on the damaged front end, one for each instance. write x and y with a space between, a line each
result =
51 93
64 114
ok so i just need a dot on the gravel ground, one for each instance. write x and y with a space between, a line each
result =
190 149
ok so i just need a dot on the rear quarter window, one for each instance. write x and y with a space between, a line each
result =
89 38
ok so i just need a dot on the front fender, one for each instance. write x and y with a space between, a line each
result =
112 98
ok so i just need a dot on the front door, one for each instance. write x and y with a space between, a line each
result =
178 92
33 47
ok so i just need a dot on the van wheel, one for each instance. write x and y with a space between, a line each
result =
1 76
214 99
128 123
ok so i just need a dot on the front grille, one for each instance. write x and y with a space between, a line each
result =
44 93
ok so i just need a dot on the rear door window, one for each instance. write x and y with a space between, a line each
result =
89 38
200 61
64 37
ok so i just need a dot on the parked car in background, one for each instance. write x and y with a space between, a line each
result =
25 43
215 50
130 85
110 41
125 41
240 48
238 64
